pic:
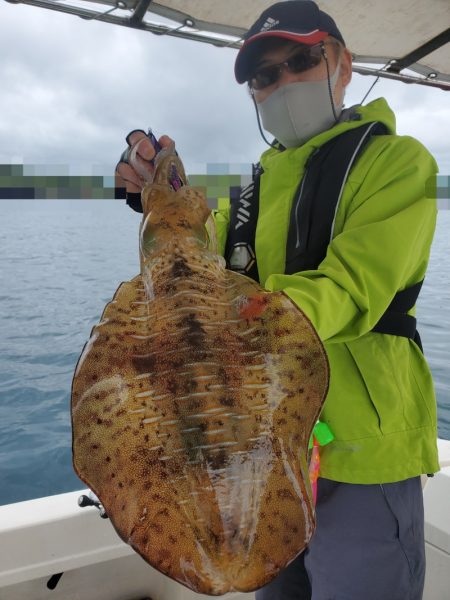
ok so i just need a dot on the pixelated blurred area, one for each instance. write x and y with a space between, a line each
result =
439 188
220 182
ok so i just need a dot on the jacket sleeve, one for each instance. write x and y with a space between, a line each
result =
221 218
382 247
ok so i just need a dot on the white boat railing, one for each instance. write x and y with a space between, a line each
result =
47 536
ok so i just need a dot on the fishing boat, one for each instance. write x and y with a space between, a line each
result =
54 549
59 547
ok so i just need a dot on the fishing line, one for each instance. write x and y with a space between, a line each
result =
371 88
376 80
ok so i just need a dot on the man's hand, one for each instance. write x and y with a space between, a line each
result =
135 167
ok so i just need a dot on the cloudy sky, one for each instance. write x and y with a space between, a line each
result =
72 89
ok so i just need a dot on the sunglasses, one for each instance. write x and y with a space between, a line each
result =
302 60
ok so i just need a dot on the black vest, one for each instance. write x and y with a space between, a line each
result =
314 208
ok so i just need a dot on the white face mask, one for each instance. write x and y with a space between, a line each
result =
296 112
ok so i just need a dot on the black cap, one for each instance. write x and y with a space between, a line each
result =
298 20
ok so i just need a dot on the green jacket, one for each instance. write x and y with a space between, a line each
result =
381 405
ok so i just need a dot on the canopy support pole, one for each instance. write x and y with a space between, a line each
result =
402 63
139 11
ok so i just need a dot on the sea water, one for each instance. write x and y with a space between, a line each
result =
60 263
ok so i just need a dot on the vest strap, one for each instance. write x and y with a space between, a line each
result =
318 196
240 252
395 321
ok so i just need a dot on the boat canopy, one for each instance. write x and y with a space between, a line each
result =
408 40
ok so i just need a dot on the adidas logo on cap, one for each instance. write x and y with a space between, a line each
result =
269 24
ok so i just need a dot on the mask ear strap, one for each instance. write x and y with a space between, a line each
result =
271 144
330 92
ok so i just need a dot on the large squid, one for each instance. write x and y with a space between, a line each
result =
193 404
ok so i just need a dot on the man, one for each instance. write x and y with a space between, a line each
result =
342 224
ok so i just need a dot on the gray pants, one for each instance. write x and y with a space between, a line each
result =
369 544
